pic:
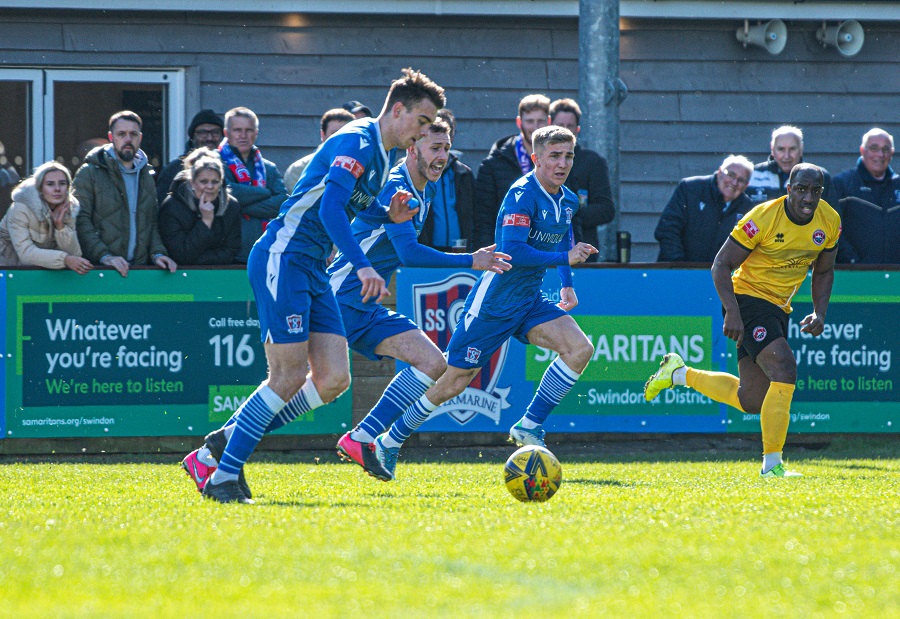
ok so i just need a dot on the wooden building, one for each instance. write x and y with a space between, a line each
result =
696 94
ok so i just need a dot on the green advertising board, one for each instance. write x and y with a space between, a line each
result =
153 354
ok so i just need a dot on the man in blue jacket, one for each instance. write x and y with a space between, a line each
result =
703 211
869 204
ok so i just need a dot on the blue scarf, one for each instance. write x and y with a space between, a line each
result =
237 167
522 156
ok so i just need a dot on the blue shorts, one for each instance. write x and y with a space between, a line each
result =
293 297
368 328
476 339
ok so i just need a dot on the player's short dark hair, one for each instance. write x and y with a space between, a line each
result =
125 115
801 167
413 87
565 105
339 114
534 102
439 126
551 134
446 114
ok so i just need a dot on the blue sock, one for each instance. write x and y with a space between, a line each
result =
414 416
251 420
405 389
303 401
557 381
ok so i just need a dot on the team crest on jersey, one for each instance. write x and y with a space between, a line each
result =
438 308
759 334
295 323
750 229
517 219
818 237
568 215
350 164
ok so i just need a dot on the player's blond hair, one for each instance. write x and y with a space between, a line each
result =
551 134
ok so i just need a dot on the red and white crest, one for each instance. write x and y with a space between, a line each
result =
759 334
750 229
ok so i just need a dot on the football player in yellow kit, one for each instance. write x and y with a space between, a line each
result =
756 273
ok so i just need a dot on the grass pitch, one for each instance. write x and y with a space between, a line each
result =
647 532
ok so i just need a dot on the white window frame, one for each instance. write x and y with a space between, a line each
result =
35 113
174 103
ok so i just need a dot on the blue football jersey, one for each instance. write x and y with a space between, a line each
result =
374 237
355 159
528 214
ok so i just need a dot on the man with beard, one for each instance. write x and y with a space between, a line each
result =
376 332
205 130
508 161
117 223
756 273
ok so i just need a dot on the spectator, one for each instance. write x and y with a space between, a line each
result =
769 179
703 211
332 120
39 228
254 181
117 222
589 179
357 109
508 160
869 204
205 130
449 228
199 221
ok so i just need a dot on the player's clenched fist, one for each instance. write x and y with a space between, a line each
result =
580 253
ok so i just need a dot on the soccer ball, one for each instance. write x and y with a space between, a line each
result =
532 473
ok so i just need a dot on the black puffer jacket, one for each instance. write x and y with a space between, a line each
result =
695 223
496 174
188 239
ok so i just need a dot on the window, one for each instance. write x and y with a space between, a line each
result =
62 113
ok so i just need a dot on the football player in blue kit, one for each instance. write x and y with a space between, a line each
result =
302 331
373 330
534 227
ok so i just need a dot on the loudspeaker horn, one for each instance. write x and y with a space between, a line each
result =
847 37
771 35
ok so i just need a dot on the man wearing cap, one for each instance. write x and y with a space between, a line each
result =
205 130
357 109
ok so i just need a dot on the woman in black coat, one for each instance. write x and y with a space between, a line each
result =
200 221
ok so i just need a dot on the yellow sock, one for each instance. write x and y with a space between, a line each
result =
719 386
775 416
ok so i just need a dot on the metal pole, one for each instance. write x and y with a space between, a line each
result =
600 92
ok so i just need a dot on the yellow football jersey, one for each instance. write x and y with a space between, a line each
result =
781 251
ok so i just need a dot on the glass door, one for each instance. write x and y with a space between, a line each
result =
21 98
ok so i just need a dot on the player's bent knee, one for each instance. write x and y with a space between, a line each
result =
333 386
433 367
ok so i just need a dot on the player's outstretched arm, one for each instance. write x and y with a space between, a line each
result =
487 259
729 258
580 253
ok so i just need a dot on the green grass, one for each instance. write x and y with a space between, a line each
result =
659 531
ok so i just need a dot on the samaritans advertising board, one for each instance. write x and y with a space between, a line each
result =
153 354
633 317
